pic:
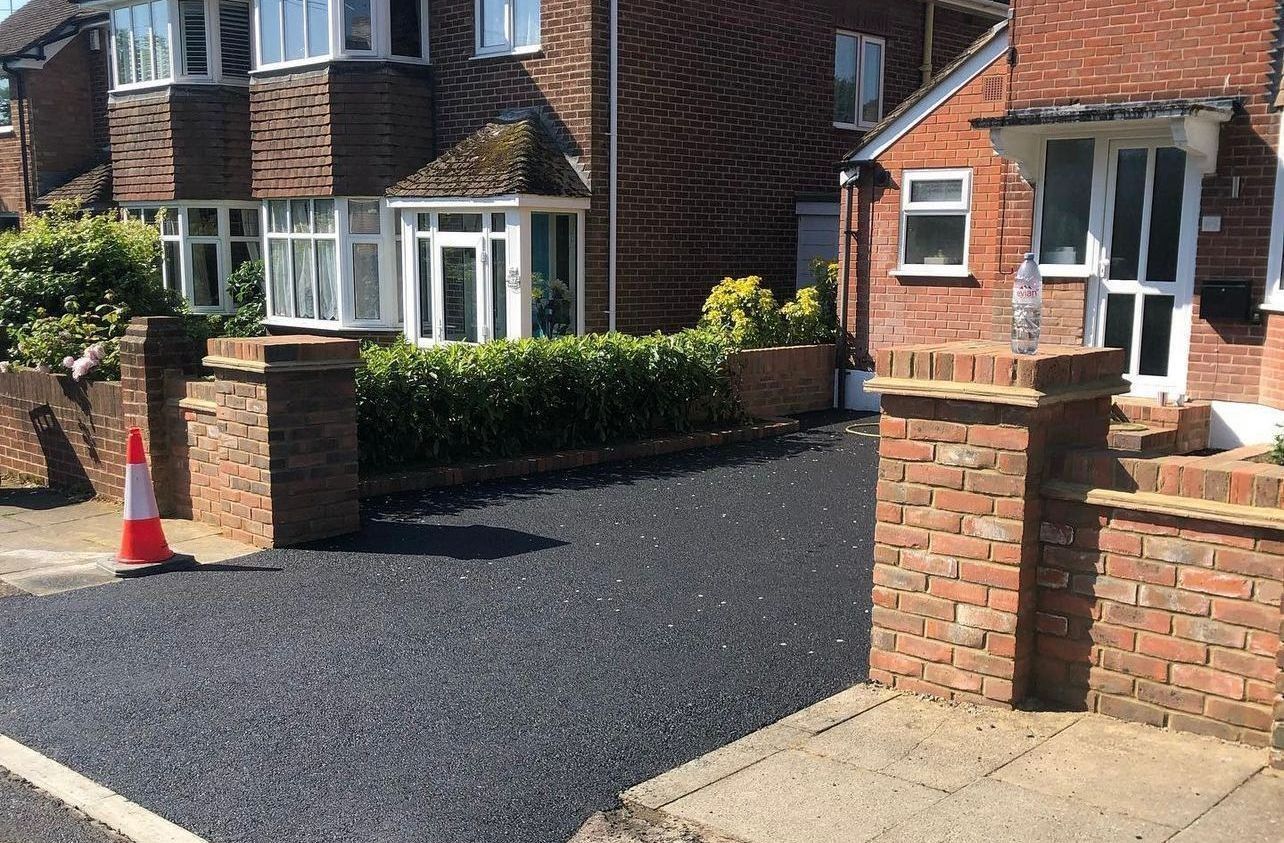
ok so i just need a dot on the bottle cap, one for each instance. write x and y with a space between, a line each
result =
1029 256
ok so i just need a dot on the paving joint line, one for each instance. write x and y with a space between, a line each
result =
90 798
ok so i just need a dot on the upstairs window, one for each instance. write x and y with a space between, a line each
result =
858 80
507 26
295 32
167 41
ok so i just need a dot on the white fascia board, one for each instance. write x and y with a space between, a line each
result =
50 50
522 200
946 87
989 8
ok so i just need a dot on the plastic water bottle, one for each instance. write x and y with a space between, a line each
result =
1027 307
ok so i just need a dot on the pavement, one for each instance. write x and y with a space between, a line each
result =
51 543
492 662
870 764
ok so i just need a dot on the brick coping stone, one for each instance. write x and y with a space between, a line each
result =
438 477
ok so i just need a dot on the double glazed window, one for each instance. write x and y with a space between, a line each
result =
299 31
935 214
171 40
1066 206
200 246
507 26
6 113
858 80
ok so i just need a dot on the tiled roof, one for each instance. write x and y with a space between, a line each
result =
92 188
40 22
507 156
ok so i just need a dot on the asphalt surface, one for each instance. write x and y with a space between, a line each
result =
27 815
488 663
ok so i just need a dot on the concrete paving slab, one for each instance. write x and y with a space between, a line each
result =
212 548
988 810
63 514
714 766
933 743
839 708
1135 770
16 561
46 581
793 797
1254 813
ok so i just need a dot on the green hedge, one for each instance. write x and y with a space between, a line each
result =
506 398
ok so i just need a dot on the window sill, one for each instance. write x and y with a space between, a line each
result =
931 272
327 325
854 127
1064 271
6 130
1273 306
521 52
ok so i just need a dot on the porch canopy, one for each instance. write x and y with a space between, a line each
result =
1194 125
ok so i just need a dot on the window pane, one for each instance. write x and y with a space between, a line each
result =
169 221
406 28
191 23
356 25
845 49
935 239
423 222
871 83
328 279
1119 313
1130 196
205 275
244 222
425 287
363 216
202 222
1067 201
1156 334
270 31
318 28
494 28
1165 215
365 280
499 288
124 35
304 280
278 216
325 215
294 47
144 70
6 117
279 277
170 272
499 223
943 190
459 222
244 250
234 37
526 23
555 260
459 274
300 216
160 39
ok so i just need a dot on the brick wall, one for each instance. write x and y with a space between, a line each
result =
1272 388
774 382
67 100
183 142
13 197
62 433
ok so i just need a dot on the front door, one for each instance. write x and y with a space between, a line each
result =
1142 299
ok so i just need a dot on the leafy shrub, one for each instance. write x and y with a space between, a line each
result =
68 278
743 312
245 286
1276 454
535 395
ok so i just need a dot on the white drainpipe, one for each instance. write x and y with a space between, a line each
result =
614 159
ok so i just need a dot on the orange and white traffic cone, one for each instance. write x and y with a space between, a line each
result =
143 549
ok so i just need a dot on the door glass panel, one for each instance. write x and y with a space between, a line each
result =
459 276
1165 214
205 275
425 288
1156 335
1119 313
1130 196
499 287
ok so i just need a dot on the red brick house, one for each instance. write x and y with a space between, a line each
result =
376 152
1134 147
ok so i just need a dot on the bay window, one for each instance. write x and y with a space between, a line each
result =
201 245
293 32
165 41
935 220
507 26
858 80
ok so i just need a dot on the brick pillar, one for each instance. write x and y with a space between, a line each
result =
151 347
1277 734
966 433
287 420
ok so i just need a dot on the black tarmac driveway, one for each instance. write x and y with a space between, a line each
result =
489 663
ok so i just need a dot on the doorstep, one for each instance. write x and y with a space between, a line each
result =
876 764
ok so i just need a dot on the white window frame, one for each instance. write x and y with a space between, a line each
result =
380 24
862 40
213 47
7 81
344 239
1274 300
507 49
181 211
910 209
1096 211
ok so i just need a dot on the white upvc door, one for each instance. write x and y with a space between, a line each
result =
460 274
1141 296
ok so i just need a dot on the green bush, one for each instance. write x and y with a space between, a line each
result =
1276 454
245 286
510 397
744 313
69 278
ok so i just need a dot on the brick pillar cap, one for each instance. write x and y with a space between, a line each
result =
141 326
282 352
